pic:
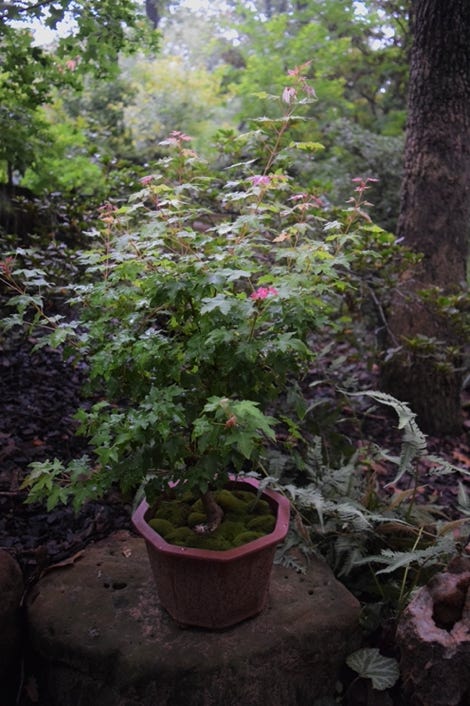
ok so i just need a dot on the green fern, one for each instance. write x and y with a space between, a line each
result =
414 443
349 525
439 552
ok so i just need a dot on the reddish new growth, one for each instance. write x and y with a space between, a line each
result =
260 180
107 213
176 138
264 292
6 266
362 183
289 94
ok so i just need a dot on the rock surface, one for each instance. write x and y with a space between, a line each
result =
99 636
11 592
434 639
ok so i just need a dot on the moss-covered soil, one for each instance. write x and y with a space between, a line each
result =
246 518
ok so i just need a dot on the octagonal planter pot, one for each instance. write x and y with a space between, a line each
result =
214 589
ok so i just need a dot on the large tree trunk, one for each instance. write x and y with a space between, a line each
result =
153 12
435 211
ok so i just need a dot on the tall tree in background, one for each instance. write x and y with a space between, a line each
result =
435 213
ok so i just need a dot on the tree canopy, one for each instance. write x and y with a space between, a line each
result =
93 36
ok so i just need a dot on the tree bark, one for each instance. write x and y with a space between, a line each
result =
434 214
153 12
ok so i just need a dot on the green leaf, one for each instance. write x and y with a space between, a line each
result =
221 302
245 445
307 146
370 664
262 95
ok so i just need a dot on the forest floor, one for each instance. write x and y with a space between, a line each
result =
39 395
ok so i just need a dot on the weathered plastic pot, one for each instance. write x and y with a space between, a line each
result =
214 589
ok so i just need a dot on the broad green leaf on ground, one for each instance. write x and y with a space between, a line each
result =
370 664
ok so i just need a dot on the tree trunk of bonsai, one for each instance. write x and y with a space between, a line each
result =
434 213
214 514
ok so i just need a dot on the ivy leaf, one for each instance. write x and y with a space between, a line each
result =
370 664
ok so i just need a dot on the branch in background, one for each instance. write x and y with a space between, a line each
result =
13 10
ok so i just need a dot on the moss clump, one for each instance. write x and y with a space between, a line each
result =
175 511
229 502
262 507
246 518
230 529
262 523
163 527
197 506
255 504
244 495
246 537
214 542
196 518
182 536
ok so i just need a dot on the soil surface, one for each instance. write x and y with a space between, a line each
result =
39 395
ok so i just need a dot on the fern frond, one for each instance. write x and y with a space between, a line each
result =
351 515
444 468
348 554
439 552
414 443
308 498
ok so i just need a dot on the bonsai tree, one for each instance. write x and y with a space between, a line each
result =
197 312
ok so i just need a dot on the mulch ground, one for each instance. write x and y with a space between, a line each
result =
39 395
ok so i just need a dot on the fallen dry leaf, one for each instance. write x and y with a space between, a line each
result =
461 458
66 562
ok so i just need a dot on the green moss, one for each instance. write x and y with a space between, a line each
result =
196 518
210 541
230 529
229 502
182 536
245 495
262 507
246 537
197 506
163 527
255 504
174 511
262 523
188 497
245 519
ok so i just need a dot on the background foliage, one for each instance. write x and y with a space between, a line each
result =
95 111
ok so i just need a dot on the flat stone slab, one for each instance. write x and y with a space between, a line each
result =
100 637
